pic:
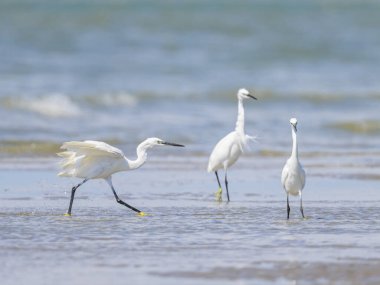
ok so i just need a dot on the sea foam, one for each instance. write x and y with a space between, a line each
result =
113 99
52 105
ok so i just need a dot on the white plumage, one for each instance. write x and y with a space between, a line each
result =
228 150
95 160
91 160
293 175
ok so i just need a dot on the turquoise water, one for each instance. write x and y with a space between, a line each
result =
122 71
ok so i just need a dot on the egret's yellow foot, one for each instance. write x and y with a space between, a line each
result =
141 214
67 215
218 195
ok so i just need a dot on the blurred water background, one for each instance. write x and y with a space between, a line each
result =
121 71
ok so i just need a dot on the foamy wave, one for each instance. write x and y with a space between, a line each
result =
113 99
53 105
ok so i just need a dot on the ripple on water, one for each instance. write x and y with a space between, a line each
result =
208 241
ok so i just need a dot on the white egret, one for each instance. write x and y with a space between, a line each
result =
95 160
228 149
293 175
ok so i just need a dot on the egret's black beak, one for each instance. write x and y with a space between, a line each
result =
295 127
253 97
173 144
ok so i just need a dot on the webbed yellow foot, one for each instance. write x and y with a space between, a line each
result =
67 215
141 214
218 195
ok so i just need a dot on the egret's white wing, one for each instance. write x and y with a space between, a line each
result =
221 152
88 159
284 174
93 148
303 177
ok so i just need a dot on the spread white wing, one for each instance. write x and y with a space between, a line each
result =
88 159
94 148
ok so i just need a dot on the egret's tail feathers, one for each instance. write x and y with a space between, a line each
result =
65 174
69 163
65 154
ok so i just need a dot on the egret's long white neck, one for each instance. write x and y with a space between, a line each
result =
295 145
141 156
240 118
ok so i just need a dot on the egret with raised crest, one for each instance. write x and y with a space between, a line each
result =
293 175
99 160
228 149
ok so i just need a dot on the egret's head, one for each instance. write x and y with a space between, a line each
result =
244 94
293 122
151 142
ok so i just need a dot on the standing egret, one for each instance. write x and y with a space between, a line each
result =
94 160
293 175
228 149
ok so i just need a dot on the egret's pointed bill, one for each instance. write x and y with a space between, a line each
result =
253 97
173 144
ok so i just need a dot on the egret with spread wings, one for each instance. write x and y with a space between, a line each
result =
99 160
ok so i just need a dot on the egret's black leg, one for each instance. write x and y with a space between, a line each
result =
73 194
218 193
122 202
301 208
226 182
217 177
288 208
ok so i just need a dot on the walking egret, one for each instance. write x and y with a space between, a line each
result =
95 160
293 175
228 149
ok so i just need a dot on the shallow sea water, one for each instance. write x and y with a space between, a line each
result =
122 71
187 238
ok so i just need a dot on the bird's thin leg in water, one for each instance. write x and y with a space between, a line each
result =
217 177
288 208
226 182
72 196
218 194
301 208
122 202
